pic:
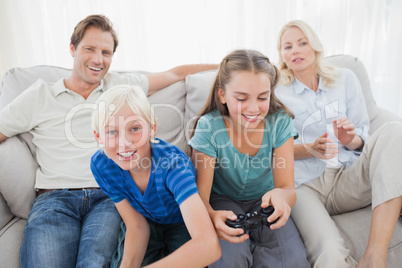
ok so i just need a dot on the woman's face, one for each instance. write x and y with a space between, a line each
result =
296 51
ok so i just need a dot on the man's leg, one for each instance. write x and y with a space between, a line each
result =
52 232
100 229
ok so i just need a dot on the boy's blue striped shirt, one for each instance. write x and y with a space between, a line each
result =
172 180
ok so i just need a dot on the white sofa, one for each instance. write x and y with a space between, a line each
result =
175 108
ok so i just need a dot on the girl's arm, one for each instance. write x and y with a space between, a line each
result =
137 235
203 247
283 197
205 166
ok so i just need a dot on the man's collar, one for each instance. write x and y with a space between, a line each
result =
60 87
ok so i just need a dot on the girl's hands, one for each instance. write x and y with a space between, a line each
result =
278 199
232 235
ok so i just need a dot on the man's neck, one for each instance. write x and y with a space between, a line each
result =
80 87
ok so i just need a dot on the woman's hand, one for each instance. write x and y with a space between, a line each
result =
278 198
323 147
344 130
232 235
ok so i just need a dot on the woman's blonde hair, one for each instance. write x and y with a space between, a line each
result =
324 70
113 99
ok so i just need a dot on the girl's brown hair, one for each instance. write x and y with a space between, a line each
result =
240 61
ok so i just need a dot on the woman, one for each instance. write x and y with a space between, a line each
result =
337 167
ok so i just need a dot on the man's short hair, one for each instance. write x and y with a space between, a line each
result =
97 21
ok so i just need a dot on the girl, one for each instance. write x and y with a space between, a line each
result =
152 184
243 154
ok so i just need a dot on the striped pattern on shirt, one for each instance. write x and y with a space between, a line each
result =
171 182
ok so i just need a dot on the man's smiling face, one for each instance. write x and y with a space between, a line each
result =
92 56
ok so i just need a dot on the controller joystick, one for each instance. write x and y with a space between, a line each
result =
254 220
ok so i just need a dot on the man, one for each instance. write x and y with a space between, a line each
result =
72 222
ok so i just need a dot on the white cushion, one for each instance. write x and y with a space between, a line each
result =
198 87
354 64
17 173
168 105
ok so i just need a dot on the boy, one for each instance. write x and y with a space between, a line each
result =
152 184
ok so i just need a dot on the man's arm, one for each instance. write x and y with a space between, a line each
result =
2 137
161 80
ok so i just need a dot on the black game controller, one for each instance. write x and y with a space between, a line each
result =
254 220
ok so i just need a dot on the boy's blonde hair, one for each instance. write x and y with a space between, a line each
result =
112 100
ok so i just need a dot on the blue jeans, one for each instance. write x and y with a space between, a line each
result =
70 229
163 240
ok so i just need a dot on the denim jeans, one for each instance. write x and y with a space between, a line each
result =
70 229
163 240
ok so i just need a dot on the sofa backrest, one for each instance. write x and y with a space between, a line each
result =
175 107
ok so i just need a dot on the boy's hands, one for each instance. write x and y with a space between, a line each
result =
232 235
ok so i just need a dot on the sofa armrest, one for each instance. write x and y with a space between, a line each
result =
5 213
383 116
17 176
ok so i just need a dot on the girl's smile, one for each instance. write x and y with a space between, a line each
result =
247 97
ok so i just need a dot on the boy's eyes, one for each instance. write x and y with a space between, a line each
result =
114 132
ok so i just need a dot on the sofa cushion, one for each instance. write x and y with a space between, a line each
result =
10 243
354 64
168 105
17 80
5 212
17 179
355 226
198 87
